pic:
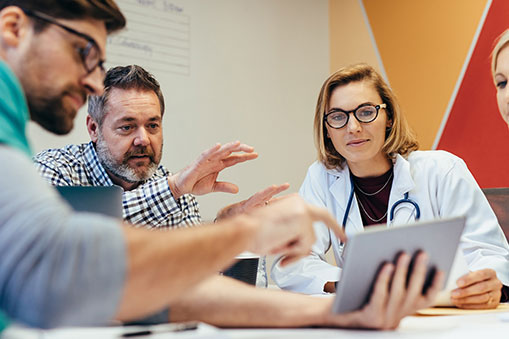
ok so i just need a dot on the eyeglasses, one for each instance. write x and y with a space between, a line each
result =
365 113
90 55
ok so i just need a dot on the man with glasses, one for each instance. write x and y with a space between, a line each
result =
59 267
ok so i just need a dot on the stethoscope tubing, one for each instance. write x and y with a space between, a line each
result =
405 199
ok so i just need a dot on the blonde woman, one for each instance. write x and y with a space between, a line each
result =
369 172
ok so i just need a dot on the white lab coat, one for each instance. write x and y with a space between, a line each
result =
438 181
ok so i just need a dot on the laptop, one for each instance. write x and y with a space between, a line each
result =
366 252
97 199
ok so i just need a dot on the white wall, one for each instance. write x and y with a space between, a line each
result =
251 72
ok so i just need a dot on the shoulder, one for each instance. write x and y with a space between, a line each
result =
434 160
319 174
68 155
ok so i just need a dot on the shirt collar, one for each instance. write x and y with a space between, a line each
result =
97 171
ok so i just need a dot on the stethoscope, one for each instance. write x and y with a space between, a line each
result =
405 200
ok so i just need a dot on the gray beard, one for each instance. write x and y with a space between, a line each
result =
122 171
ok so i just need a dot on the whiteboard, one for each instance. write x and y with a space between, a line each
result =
247 70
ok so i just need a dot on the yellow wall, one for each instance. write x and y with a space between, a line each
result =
350 40
422 44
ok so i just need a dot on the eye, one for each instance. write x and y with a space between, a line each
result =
125 128
153 126
501 84
337 116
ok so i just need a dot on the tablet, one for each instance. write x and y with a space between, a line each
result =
97 199
366 252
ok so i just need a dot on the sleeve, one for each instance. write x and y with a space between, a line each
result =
483 242
57 268
310 274
153 204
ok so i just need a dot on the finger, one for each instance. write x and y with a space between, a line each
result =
208 152
230 148
378 298
473 300
238 158
225 187
418 276
476 276
261 197
476 289
398 287
321 214
433 290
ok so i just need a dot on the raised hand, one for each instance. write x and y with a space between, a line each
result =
258 199
478 290
201 176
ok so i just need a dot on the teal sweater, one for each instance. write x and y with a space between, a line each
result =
13 111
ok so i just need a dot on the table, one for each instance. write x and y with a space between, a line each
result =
479 326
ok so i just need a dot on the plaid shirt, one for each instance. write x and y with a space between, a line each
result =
151 203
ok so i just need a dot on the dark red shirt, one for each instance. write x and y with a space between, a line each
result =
373 197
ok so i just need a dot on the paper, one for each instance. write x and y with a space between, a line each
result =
460 311
459 268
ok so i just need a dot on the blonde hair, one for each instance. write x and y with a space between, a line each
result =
399 137
502 41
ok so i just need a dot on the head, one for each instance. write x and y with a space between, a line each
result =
500 72
388 135
56 48
125 124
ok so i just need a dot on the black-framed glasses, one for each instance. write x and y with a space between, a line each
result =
90 55
365 113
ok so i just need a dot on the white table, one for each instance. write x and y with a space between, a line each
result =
492 326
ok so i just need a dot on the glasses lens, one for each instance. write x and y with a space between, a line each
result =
91 56
337 119
366 113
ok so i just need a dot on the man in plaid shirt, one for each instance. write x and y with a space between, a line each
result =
125 126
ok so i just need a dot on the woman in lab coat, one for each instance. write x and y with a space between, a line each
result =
364 142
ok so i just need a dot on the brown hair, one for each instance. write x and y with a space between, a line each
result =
125 78
399 138
103 10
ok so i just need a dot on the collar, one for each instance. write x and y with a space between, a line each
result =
97 172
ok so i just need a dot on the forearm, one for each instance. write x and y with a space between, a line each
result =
162 265
226 302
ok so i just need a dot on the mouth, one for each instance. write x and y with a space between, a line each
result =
357 142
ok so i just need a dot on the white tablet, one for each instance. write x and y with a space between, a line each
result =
366 252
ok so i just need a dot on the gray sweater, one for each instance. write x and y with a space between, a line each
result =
57 267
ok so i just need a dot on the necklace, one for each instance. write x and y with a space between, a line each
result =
375 193
366 213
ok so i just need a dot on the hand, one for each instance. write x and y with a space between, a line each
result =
200 177
391 301
285 227
258 199
477 290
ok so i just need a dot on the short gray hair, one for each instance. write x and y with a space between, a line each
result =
126 78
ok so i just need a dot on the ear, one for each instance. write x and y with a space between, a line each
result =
14 26
92 127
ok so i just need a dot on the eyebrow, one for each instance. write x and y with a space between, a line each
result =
344 111
131 119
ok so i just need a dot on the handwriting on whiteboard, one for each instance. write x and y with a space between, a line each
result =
157 37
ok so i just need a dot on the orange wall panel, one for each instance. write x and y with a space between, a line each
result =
423 46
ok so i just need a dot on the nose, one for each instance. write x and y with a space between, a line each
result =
93 82
353 124
141 138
